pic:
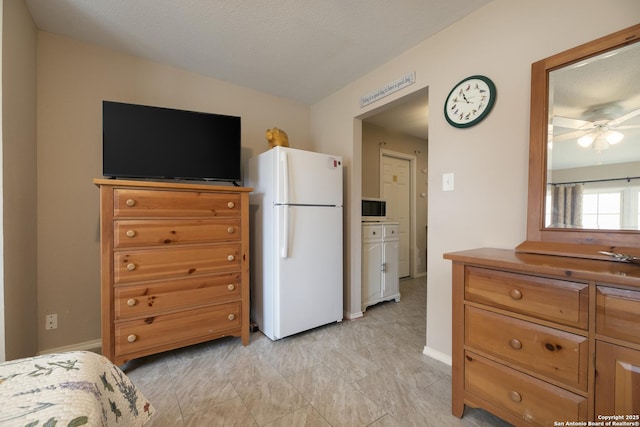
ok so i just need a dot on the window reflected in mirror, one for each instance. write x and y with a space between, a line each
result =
593 143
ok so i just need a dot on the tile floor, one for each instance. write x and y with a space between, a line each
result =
365 372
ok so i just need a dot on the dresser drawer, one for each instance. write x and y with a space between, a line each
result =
549 299
158 203
136 265
618 313
216 321
371 232
147 300
524 397
556 354
391 231
134 233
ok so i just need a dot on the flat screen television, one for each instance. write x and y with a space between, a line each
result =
140 141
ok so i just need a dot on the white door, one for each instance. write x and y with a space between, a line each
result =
308 276
396 190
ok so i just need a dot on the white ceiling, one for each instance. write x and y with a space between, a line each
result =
408 115
303 50
600 89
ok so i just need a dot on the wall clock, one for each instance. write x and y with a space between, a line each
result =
470 101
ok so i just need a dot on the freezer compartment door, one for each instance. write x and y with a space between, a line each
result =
307 178
309 268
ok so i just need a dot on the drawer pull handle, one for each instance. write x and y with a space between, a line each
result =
131 234
516 294
231 286
130 202
231 316
132 338
131 266
231 230
515 396
231 258
231 205
131 302
515 344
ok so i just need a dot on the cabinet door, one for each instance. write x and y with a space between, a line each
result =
371 271
617 313
390 268
617 380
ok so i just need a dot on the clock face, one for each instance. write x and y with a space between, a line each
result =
469 101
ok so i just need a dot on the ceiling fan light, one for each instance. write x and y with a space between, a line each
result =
613 137
601 144
586 140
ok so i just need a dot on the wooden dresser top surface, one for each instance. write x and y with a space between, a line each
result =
170 185
569 268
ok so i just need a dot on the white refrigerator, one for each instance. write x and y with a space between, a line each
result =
296 240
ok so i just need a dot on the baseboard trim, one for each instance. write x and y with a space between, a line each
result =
351 316
81 346
437 355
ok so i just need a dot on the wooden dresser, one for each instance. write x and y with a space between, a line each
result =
174 265
540 339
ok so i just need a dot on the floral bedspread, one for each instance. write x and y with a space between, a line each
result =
69 389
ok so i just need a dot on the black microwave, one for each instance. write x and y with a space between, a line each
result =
374 210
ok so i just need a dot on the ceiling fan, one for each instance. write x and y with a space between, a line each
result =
600 133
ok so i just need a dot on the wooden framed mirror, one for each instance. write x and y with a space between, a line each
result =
558 119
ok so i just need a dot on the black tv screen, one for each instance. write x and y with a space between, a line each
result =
140 141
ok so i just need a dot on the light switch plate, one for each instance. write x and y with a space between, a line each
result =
447 181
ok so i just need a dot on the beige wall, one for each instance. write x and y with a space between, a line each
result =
617 170
19 179
73 79
490 160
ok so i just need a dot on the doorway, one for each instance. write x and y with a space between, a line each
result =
400 129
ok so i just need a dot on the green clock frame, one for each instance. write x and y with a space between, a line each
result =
470 101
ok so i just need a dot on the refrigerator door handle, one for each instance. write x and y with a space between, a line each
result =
284 163
284 250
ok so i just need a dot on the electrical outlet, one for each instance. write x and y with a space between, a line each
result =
51 321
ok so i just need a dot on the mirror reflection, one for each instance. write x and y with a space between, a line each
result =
593 144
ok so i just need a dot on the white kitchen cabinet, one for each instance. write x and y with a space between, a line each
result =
380 258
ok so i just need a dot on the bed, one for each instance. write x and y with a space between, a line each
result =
69 389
